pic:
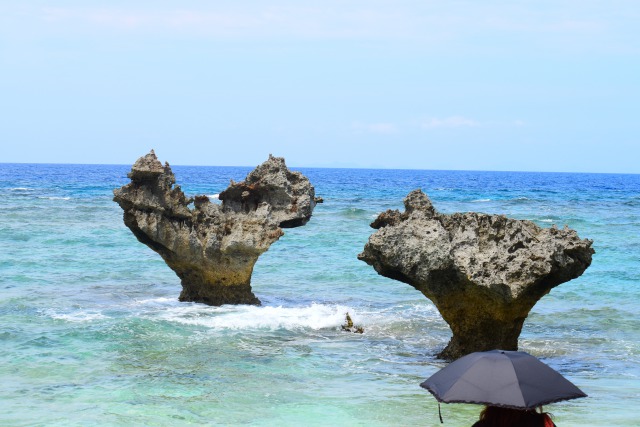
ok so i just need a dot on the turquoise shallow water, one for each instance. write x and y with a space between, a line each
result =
92 333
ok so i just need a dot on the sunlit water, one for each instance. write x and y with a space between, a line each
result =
92 333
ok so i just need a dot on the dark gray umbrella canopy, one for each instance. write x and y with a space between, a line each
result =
511 379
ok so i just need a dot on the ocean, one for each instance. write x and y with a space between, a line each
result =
92 332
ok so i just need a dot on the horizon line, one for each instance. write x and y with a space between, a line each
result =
332 167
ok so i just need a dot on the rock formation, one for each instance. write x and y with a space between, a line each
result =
213 247
483 272
348 326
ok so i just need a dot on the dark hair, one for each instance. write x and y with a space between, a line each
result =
494 416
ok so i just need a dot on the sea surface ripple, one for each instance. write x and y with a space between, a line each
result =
92 332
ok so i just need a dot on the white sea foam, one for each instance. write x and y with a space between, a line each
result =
21 189
213 196
54 198
155 301
480 200
76 316
315 316
248 317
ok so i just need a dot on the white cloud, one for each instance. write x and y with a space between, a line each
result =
427 24
276 19
178 20
448 122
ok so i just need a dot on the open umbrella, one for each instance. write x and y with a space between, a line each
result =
510 379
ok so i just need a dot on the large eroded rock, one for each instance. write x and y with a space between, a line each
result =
483 272
213 247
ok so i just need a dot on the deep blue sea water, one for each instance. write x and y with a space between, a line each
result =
92 333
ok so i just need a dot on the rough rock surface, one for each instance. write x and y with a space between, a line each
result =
483 272
213 247
289 194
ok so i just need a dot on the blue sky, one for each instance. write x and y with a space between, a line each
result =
476 85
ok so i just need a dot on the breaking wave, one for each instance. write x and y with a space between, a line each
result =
315 316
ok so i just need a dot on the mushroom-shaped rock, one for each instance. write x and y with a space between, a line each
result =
483 272
214 247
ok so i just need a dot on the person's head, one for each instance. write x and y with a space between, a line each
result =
495 416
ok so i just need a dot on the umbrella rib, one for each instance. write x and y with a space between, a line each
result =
517 382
